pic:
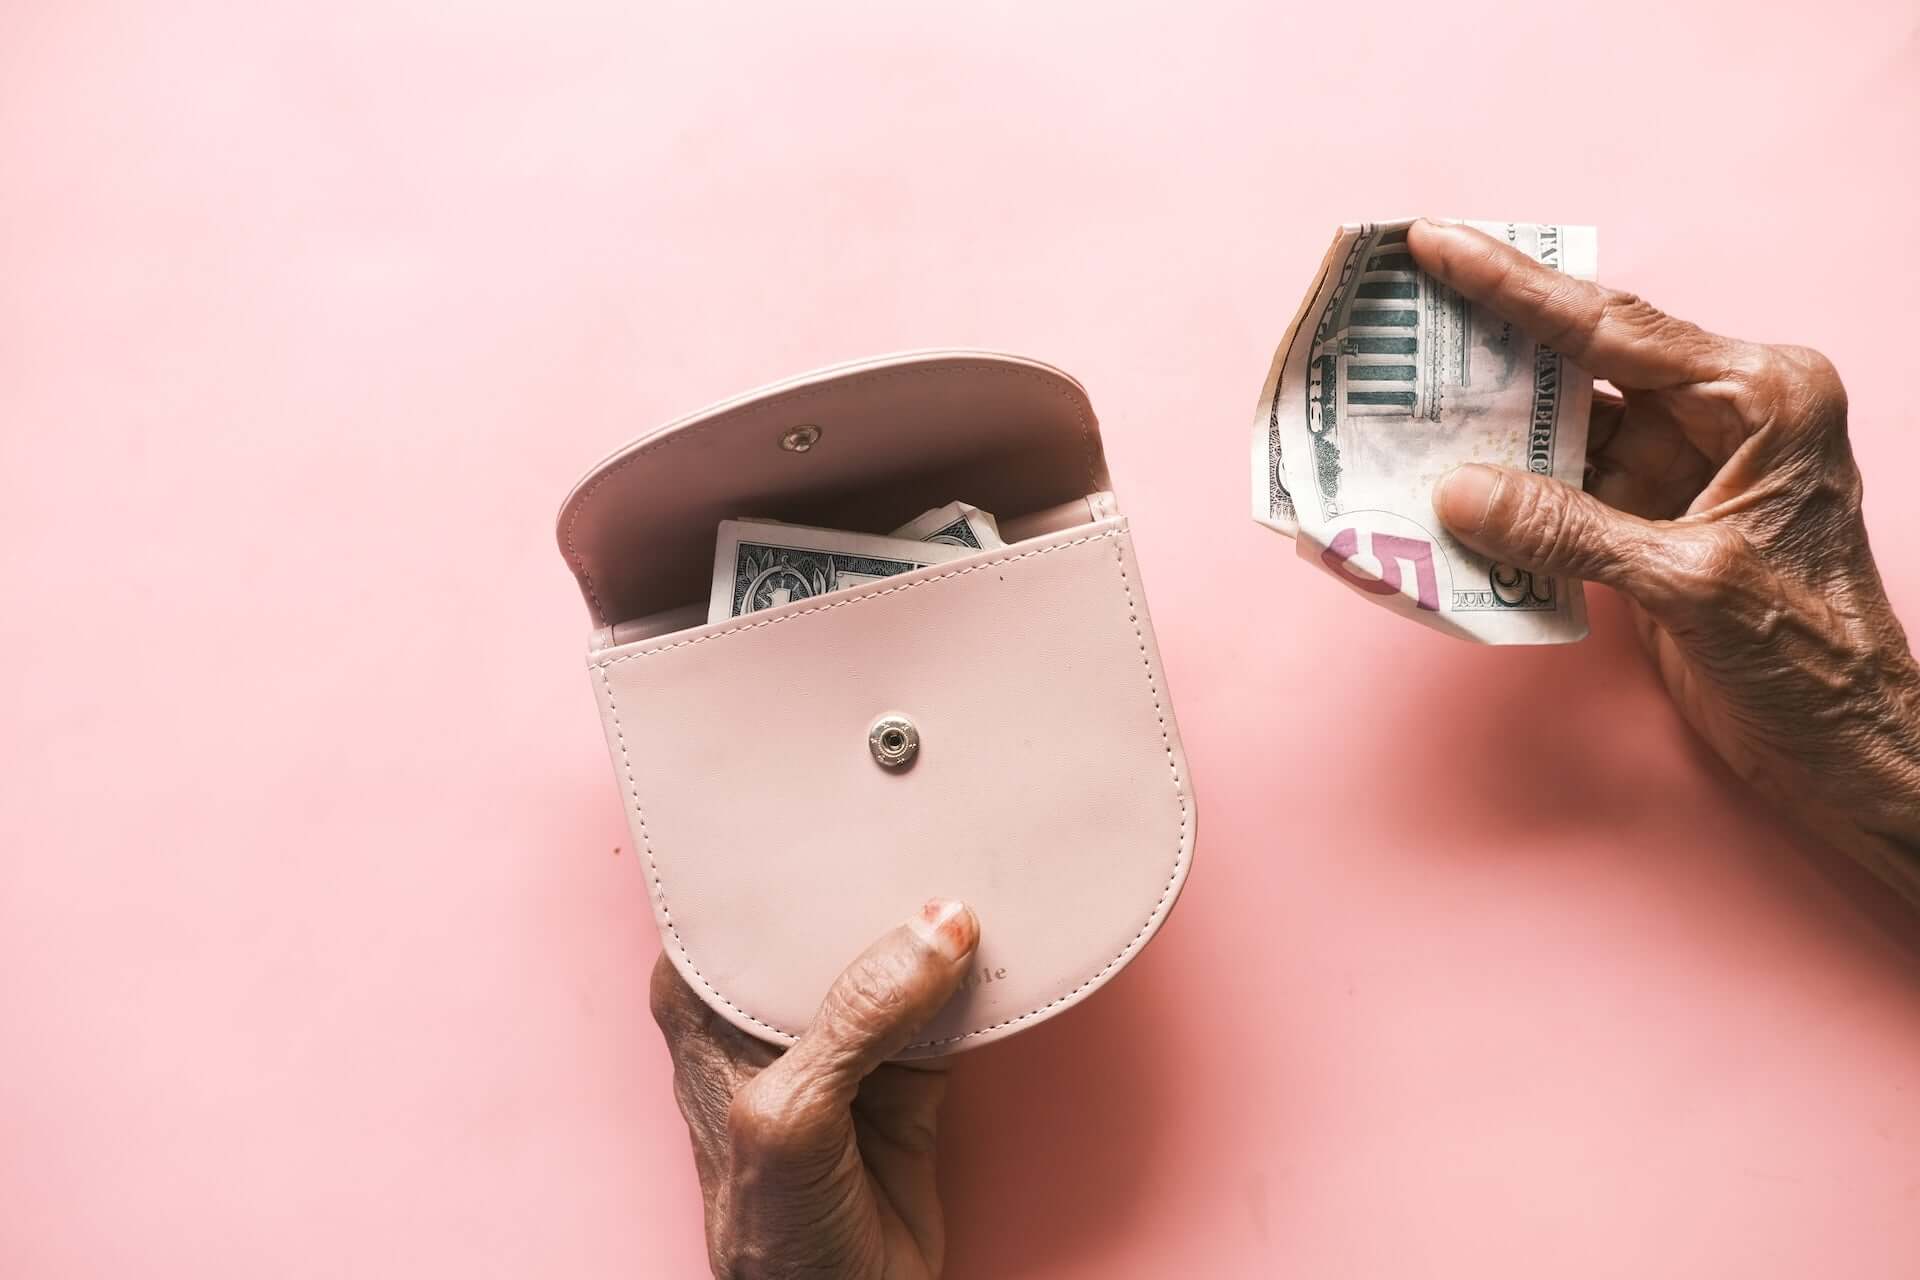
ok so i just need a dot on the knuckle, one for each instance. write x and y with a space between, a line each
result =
1604 317
1817 364
1625 307
780 1117
740 1254
761 1119
777 1124
1685 343
1708 568
1657 328
1634 315
1547 529
1796 388
1842 491
693 1091
1753 364
1818 380
1755 382
1571 309
1538 523
1757 369
1570 548
748 1117
869 995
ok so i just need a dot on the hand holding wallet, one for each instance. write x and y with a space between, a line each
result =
1046 785
789 1178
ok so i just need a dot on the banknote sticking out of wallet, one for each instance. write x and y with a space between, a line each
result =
872 635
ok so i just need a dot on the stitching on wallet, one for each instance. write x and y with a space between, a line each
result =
841 604
1166 740
653 867
1077 403
1180 841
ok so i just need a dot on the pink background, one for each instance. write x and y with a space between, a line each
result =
317 957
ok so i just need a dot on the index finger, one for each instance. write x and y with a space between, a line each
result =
1611 334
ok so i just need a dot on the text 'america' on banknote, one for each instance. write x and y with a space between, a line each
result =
1386 380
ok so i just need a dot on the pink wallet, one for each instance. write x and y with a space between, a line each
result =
1046 785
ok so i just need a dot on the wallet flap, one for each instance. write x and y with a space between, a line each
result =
1049 790
864 446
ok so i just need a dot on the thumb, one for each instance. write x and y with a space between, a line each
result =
1538 524
870 1013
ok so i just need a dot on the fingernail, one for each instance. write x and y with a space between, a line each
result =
946 926
1441 222
1461 497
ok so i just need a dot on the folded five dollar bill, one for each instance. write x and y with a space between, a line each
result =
1384 382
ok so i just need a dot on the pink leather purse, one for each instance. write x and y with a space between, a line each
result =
1048 789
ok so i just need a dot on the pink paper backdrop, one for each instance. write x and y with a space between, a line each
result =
320 951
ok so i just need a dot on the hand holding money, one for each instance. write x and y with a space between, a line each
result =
1385 381
1726 507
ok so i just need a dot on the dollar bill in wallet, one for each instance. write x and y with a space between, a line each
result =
956 524
763 564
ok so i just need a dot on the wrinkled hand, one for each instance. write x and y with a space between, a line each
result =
1723 501
818 1161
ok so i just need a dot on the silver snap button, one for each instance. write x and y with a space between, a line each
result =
800 439
894 741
